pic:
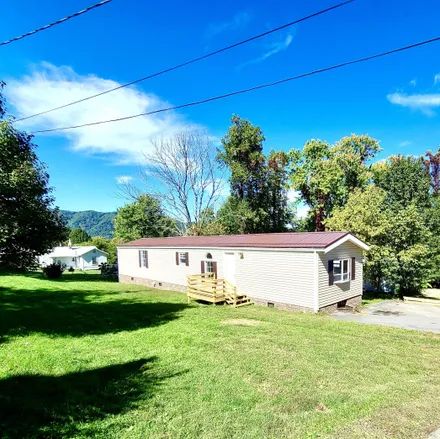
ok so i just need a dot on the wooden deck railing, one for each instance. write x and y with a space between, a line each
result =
206 287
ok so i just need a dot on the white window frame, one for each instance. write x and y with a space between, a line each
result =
345 275
144 256
209 266
182 257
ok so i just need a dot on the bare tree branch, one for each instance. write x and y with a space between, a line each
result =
186 170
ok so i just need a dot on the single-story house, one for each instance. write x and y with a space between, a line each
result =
80 258
298 271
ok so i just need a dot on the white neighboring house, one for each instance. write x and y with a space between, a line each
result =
81 258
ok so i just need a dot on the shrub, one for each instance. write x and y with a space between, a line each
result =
53 271
109 271
71 270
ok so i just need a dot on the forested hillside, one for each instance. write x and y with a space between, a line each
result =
94 223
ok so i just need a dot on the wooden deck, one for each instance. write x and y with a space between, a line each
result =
209 289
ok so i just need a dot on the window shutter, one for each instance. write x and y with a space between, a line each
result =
146 259
214 269
353 268
202 267
140 258
187 258
177 258
330 272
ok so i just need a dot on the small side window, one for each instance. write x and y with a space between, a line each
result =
144 258
341 270
182 258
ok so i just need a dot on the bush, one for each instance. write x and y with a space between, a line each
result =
71 270
109 271
53 271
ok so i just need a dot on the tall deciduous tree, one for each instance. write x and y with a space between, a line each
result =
325 174
432 164
405 180
399 240
143 218
258 201
77 236
29 225
182 173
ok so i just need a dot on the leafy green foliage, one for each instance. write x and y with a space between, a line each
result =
237 217
94 223
109 271
258 183
207 225
53 271
405 181
143 218
326 175
29 225
78 235
400 252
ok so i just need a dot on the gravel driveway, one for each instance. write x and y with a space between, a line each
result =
420 317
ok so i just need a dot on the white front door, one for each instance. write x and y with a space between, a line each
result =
229 267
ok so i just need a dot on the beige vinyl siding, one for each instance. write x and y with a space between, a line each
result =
329 295
279 276
162 263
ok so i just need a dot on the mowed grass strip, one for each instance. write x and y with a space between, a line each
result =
84 358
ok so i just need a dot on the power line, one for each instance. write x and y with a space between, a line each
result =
247 90
76 14
192 61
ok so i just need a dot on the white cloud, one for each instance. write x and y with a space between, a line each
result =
124 179
272 49
413 82
422 102
239 19
122 142
436 78
405 143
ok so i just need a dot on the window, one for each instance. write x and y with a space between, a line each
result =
341 270
94 260
144 258
73 259
209 267
182 258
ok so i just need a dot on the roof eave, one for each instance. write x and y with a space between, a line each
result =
348 237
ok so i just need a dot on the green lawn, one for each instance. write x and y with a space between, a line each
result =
84 358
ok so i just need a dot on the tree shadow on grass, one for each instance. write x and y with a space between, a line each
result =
78 313
38 406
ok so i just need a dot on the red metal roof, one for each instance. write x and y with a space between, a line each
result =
263 240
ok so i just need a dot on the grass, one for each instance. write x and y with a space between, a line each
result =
83 358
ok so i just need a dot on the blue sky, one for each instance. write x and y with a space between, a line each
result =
395 99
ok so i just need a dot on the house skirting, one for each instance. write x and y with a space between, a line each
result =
279 305
151 283
352 303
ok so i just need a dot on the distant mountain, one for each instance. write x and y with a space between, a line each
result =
94 223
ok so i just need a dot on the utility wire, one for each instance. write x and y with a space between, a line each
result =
192 61
76 14
247 90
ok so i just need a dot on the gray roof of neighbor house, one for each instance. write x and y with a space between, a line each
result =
317 240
